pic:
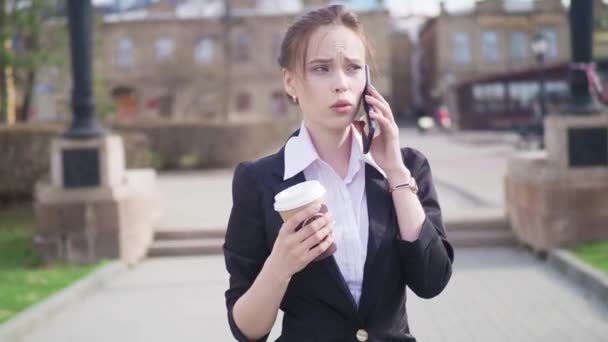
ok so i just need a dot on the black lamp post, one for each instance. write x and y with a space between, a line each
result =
84 123
582 101
539 48
587 146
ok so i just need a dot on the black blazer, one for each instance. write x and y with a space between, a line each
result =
317 305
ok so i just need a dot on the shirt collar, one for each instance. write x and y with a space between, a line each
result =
300 153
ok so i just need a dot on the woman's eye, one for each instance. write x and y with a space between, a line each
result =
354 67
321 68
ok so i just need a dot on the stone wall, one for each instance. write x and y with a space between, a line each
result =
25 149
25 157
194 145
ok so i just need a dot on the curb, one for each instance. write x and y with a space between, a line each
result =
486 138
584 275
481 223
23 323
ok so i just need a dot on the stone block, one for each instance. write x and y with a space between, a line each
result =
556 134
550 207
59 219
89 225
111 158
80 248
107 245
49 248
107 217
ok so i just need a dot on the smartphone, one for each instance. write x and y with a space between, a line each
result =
370 124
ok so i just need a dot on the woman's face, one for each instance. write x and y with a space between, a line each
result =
334 77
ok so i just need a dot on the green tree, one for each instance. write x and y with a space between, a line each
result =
4 62
40 36
104 104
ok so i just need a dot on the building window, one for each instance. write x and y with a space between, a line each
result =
126 102
552 48
243 102
489 98
241 51
490 46
124 54
462 48
164 48
522 95
519 45
204 51
518 6
277 103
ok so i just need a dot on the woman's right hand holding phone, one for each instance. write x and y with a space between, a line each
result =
295 248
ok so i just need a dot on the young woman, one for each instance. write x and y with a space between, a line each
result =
384 216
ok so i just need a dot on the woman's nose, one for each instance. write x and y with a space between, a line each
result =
341 82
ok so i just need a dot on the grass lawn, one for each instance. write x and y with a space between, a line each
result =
24 281
595 254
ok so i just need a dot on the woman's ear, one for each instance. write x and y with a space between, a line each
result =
289 83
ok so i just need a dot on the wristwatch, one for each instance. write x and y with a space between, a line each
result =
412 185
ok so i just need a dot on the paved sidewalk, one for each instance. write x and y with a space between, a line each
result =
198 200
468 178
497 294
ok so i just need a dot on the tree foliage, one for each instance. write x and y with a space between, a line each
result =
35 36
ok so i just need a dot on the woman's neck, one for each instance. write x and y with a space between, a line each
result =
333 147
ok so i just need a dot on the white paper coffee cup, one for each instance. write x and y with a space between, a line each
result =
298 197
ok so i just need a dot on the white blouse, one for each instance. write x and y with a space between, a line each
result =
346 200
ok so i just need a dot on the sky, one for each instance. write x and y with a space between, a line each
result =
398 7
431 7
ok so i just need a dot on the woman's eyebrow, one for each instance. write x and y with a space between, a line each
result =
320 60
354 60
329 60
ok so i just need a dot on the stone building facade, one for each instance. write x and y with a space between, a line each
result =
401 72
495 37
159 63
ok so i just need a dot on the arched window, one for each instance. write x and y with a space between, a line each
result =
519 45
204 51
164 48
124 53
490 46
552 48
241 51
461 47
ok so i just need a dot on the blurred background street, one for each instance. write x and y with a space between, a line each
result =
500 291
121 122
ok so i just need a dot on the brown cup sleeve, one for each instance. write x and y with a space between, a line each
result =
320 213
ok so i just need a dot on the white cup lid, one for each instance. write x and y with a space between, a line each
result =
298 195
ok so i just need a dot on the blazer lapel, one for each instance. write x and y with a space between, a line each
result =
329 264
379 205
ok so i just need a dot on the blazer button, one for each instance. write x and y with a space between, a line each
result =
362 335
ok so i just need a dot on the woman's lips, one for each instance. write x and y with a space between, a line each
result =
342 108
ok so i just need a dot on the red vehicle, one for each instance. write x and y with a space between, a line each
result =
443 117
507 100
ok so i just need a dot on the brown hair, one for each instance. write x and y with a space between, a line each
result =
295 42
